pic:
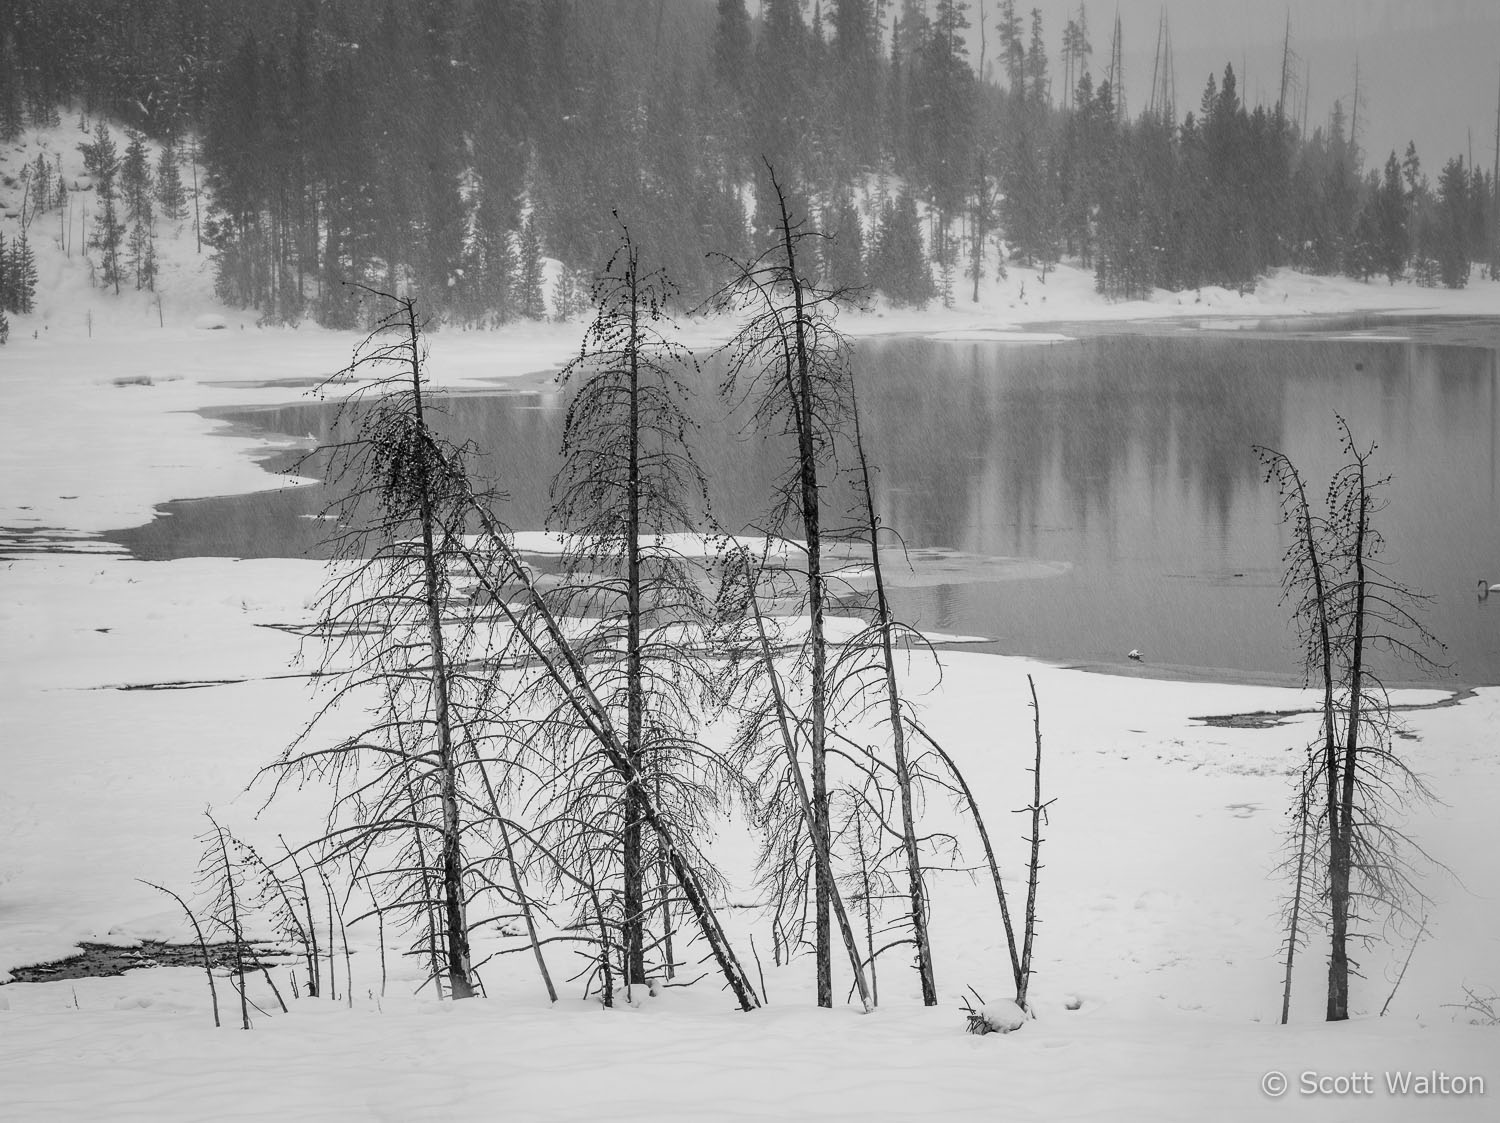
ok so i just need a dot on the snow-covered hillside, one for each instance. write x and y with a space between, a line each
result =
1158 986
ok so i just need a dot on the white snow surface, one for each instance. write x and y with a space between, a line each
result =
1158 978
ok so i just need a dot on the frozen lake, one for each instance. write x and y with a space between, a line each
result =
1125 454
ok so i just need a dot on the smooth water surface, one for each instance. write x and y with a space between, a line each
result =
1127 454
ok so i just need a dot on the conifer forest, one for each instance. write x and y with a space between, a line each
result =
445 149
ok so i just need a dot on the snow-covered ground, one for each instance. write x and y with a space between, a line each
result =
1159 899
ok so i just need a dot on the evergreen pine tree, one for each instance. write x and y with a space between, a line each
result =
142 251
107 234
1362 256
1037 86
40 111
731 46
169 190
11 121
1391 218
898 265
1012 50
135 176
39 186
855 79
100 158
527 299
843 250
22 271
1451 242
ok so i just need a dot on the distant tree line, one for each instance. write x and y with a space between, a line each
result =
447 148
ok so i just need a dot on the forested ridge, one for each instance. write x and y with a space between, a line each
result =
446 148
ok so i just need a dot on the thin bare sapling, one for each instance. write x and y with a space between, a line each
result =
1038 812
220 873
279 894
971 805
208 967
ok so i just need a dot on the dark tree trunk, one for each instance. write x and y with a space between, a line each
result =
915 892
456 933
1342 829
634 867
799 389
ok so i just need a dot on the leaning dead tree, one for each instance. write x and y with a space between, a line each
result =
545 644
396 641
792 366
1349 611
770 738
970 804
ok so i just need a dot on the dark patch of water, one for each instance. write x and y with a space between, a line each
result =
1127 455
98 960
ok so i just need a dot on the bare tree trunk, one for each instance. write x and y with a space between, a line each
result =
455 925
197 223
867 891
1342 829
1294 923
915 890
981 218
799 391
634 872
1330 732
666 902
821 858
525 903
1038 810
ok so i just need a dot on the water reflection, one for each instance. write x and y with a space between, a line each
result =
1127 455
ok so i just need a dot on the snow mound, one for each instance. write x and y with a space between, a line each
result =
996 1017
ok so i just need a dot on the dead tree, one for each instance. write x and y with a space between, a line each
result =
221 874
864 678
791 364
208 967
991 860
1038 812
627 494
539 639
1348 609
1306 580
777 721
397 640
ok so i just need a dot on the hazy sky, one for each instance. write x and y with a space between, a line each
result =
1429 70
